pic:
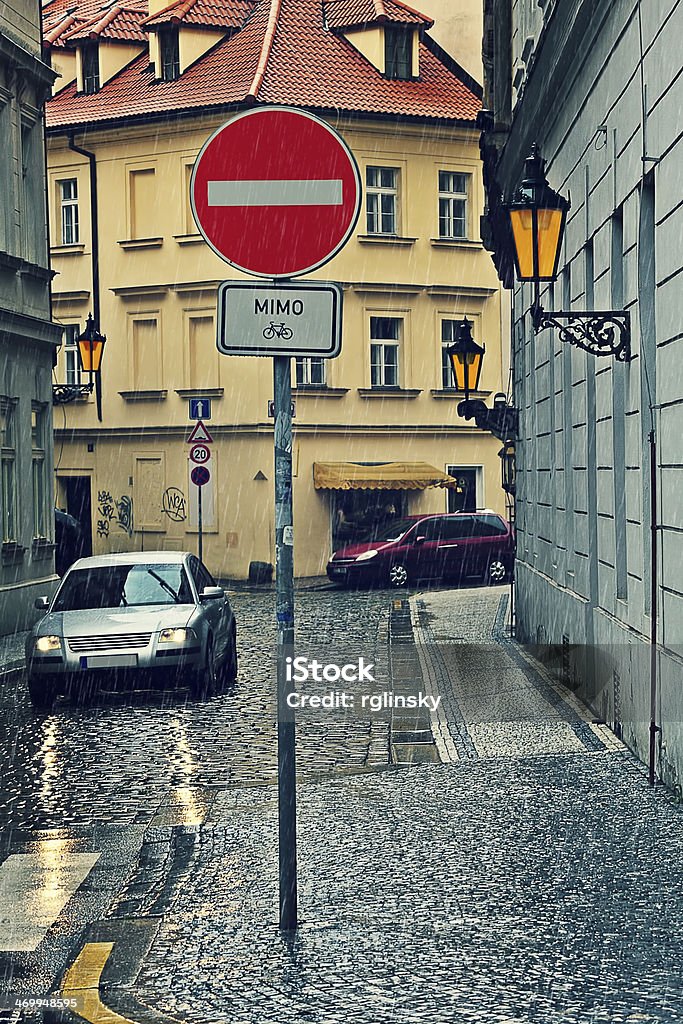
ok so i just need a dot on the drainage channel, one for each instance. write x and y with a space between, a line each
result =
410 733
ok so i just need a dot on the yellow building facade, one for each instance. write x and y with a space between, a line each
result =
387 398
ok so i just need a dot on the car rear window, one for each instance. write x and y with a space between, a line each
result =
490 526
122 586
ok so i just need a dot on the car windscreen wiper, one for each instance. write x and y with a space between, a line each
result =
166 586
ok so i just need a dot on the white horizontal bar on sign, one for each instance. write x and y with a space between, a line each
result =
319 192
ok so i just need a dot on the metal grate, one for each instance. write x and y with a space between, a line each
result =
112 641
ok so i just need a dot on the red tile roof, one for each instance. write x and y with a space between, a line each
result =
118 22
208 13
350 13
282 54
60 16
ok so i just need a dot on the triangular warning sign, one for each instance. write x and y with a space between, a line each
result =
200 433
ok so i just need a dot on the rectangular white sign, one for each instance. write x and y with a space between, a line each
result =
275 193
302 319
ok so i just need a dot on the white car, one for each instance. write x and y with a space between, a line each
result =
153 616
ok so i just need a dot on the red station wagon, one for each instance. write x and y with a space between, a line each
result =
454 546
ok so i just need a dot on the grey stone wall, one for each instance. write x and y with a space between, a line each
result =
602 94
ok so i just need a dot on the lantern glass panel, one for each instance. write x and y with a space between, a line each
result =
523 234
466 370
91 355
550 224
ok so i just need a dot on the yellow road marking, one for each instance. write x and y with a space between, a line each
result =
82 985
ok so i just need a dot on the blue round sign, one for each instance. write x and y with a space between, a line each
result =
200 475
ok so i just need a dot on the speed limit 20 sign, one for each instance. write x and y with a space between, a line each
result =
200 453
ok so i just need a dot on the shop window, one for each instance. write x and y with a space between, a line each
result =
381 200
385 339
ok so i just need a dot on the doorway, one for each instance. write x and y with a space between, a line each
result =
79 505
463 498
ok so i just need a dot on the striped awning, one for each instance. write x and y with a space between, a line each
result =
387 476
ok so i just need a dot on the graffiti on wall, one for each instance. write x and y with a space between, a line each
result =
116 511
173 504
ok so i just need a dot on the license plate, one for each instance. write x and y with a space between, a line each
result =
109 661
338 572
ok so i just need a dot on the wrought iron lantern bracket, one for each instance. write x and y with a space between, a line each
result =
501 420
602 333
62 394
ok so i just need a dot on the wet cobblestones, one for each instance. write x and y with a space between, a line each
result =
508 890
115 761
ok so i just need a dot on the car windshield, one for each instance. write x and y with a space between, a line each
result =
122 586
387 532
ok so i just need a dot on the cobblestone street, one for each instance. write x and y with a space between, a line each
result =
528 877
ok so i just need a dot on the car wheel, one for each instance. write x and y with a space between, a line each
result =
42 690
228 670
203 683
398 576
497 572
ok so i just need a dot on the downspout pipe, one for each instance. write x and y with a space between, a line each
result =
94 226
95 235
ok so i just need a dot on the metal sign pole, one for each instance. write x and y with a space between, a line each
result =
284 606
199 523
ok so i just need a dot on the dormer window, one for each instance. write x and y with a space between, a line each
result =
398 52
169 54
91 68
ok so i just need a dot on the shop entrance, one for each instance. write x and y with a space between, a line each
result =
358 515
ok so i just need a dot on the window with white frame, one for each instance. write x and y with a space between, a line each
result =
91 68
448 335
385 340
381 200
453 201
8 458
38 448
398 52
72 364
310 370
68 211
169 51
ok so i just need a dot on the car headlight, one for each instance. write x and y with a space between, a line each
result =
48 643
364 555
180 635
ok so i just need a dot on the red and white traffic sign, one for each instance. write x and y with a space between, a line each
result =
200 454
275 192
200 475
199 434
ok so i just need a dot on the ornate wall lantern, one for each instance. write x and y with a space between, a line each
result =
537 219
466 358
90 350
507 458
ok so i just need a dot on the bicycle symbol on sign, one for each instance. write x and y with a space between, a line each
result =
277 331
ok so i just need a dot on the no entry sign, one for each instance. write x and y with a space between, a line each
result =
275 192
